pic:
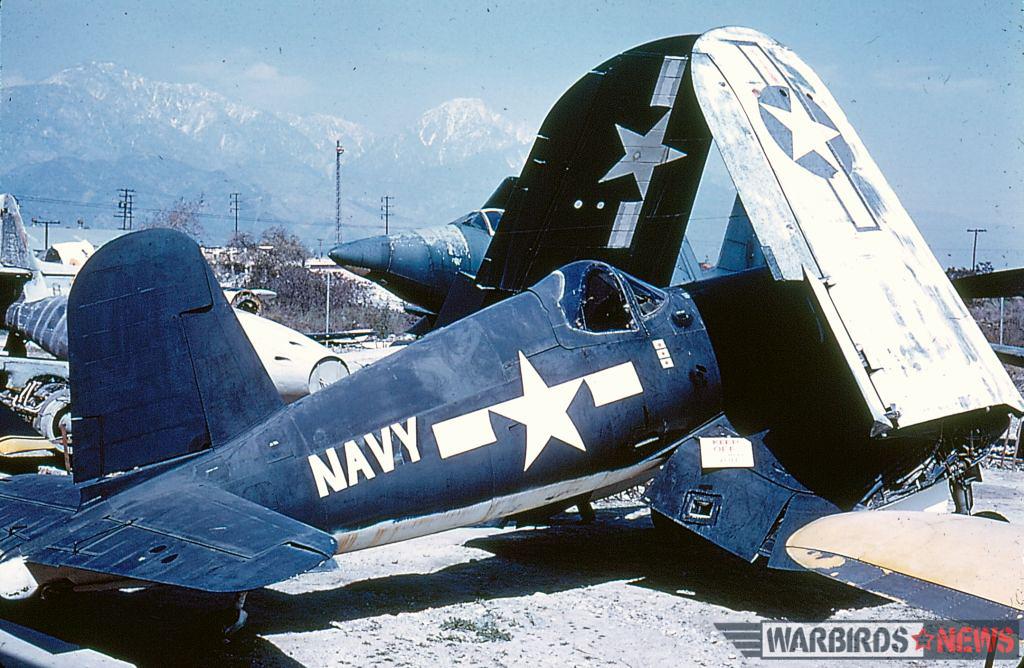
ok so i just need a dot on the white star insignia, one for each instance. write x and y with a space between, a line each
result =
808 134
642 154
543 410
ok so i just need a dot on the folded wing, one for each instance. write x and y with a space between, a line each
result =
612 175
825 215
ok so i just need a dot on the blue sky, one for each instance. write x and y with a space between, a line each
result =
935 89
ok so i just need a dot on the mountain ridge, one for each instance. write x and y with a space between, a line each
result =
97 127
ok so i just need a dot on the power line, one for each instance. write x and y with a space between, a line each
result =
270 220
385 210
46 229
99 205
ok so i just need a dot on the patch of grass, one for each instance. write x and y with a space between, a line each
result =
485 631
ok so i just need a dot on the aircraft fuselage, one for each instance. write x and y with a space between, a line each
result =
517 407
419 266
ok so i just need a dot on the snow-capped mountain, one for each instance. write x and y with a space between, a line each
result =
87 131
464 127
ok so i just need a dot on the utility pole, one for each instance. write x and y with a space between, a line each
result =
1002 311
319 247
125 207
46 230
338 150
385 210
327 309
974 252
234 210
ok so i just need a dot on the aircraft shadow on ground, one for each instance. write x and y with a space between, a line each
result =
568 556
163 625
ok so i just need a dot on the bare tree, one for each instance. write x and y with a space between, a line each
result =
183 216
241 240
277 261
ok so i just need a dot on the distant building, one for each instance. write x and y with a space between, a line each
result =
97 236
327 265
69 248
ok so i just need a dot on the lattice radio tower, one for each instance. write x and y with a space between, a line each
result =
338 150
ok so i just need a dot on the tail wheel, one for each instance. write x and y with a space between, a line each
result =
54 411
55 590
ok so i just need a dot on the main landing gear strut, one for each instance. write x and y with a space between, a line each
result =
240 616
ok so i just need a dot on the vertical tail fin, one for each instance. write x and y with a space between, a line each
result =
159 365
19 270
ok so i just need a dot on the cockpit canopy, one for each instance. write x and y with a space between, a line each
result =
485 220
596 298
604 306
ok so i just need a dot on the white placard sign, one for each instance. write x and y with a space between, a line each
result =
726 452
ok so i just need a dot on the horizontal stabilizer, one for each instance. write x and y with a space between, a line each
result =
196 537
22 646
32 504
1004 283
957 566
13 446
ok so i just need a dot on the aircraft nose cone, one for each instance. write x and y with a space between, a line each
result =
373 253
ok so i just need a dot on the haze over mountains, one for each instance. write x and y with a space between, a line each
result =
67 144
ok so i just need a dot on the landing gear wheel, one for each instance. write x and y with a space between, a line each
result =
992 515
56 590
962 493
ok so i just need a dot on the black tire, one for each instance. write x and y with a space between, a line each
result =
992 515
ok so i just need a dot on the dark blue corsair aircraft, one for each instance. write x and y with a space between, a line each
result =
775 399
564 389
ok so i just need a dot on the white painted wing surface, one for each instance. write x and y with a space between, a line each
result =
824 213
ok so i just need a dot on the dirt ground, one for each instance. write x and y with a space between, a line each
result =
614 592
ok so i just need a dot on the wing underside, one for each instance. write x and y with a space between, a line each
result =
824 214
